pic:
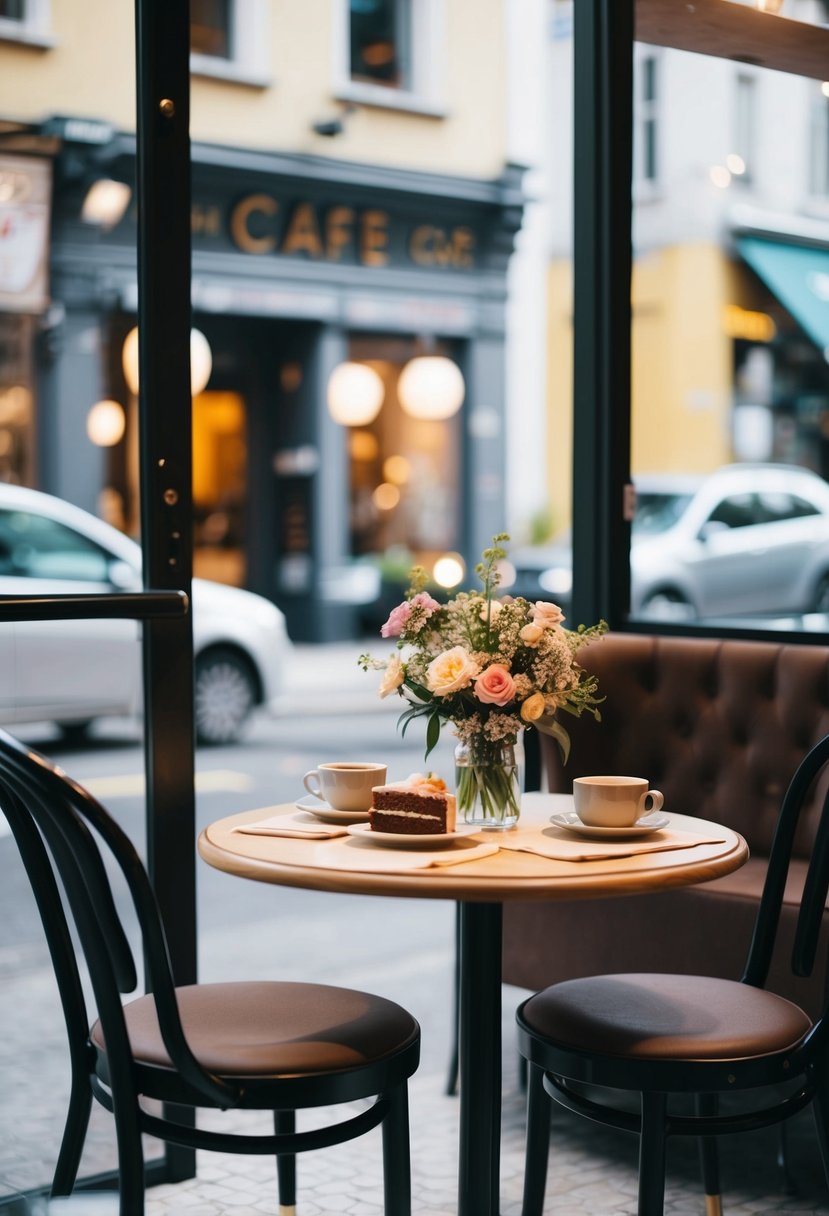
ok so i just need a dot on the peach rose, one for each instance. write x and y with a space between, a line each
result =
495 685
451 671
533 707
546 614
393 676
531 634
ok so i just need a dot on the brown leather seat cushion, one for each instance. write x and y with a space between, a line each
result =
666 1017
272 1029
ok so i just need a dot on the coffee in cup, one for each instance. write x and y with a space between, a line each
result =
345 786
614 802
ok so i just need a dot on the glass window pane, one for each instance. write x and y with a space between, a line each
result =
380 37
730 381
210 28
12 10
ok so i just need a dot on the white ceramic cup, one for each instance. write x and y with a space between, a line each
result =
614 802
345 786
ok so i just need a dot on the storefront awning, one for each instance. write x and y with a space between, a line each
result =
799 277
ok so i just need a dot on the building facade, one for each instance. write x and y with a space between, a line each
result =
354 212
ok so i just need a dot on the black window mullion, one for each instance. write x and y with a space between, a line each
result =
165 406
603 125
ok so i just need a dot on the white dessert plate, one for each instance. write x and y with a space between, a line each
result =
407 840
569 820
321 810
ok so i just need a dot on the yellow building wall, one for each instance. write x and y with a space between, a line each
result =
90 73
681 366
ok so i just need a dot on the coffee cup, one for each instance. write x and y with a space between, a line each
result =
345 786
614 802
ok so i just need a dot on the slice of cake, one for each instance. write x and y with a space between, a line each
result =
420 806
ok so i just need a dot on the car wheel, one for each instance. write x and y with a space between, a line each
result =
821 597
668 605
225 693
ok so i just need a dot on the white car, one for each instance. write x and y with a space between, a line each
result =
71 672
746 540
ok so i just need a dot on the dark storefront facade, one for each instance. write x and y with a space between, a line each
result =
300 265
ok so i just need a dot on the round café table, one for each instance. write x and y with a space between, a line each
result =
480 886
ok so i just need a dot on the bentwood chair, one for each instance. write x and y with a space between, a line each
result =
663 1036
259 1046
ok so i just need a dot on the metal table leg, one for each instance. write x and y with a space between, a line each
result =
480 1059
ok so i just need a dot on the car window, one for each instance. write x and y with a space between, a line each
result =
779 506
656 512
34 546
738 511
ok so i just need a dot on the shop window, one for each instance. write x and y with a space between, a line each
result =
229 40
26 21
390 53
380 42
740 161
646 166
210 28
405 474
818 161
219 487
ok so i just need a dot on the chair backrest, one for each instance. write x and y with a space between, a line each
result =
50 817
719 726
813 901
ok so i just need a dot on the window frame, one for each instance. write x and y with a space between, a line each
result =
426 93
250 42
33 29
647 115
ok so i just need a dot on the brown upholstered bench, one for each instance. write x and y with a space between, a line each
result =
720 727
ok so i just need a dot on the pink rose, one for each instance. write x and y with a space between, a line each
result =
495 685
396 623
424 600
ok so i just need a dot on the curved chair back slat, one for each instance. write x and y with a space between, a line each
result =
35 858
64 813
796 798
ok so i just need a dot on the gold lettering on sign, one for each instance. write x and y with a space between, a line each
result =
463 245
431 246
262 204
374 238
339 231
303 235
206 220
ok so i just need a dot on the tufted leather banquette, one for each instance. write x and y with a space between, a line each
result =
720 727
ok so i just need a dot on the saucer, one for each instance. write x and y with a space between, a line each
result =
321 810
405 839
654 822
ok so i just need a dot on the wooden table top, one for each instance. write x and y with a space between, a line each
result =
495 878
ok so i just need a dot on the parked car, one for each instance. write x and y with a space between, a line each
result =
748 539
71 672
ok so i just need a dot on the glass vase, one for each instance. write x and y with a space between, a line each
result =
488 780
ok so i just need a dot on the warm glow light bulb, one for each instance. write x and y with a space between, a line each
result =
448 570
106 423
201 361
431 387
386 496
735 164
355 394
720 176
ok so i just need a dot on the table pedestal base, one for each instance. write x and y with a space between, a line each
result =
480 1059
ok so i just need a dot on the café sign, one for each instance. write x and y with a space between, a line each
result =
264 225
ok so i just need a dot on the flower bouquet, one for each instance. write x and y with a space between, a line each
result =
490 666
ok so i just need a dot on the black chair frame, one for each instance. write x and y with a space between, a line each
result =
51 816
802 1070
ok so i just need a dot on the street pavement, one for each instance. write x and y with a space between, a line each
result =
402 949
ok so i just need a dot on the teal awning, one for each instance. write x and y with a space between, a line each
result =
799 276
